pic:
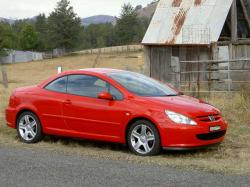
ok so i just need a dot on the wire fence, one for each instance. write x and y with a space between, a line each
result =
213 76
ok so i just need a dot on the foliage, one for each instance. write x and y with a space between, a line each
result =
128 25
98 35
41 26
17 29
6 38
64 26
28 38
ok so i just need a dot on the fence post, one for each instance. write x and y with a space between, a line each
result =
178 73
209 77
229 76
179 79
198 80
4 77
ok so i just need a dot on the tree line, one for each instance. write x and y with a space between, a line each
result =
63 29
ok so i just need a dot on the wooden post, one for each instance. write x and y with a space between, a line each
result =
178 74
229 85
4 77
215 51
231 56
234 22
147 61
215 56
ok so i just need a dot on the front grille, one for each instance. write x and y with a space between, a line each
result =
212 135
209 118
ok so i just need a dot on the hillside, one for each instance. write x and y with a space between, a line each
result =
98 19
11 21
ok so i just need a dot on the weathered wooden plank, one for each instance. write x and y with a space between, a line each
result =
234 22
147 60
155 64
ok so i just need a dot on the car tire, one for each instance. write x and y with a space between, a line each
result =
29 128
143 138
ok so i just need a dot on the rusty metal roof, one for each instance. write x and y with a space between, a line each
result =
192 22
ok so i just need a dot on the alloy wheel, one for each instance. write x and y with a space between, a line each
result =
142 139
27 127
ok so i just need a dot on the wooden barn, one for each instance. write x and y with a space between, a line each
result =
195 30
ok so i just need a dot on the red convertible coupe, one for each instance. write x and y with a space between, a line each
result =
116 106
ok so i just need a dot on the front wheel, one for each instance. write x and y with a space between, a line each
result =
29 128
143 138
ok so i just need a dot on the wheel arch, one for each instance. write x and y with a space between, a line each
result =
26 110
133 120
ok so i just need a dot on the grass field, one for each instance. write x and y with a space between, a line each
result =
232 156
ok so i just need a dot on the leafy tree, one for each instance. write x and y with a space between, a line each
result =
41 26
28 38
127 25
18 28
64 26
6 38
98 35
100 42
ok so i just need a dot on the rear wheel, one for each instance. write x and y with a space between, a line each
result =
29 128
143 138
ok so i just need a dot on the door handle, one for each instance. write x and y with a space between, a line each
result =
67 102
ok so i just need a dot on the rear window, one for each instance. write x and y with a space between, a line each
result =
58 85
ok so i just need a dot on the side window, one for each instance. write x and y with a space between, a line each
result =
59 85
85 85
90 86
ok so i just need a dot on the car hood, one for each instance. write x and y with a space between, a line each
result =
186 105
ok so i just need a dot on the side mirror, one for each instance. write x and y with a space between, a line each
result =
105 95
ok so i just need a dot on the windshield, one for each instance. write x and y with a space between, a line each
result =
142 85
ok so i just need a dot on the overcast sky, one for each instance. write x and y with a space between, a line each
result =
84 8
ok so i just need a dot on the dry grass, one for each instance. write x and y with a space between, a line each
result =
231 157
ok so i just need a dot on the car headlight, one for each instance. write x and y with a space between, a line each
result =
180 119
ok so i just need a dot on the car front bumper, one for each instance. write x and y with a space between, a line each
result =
177 136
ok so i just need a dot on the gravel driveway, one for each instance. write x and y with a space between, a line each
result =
29 167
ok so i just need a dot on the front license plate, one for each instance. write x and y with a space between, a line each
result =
215 128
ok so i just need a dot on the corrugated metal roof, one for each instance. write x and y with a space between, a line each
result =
187 22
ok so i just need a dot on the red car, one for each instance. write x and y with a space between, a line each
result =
115 106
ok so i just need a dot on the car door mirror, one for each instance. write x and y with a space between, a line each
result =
105 95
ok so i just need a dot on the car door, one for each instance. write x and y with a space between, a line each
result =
85 113
50 104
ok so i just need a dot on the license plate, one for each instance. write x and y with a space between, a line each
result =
215 128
